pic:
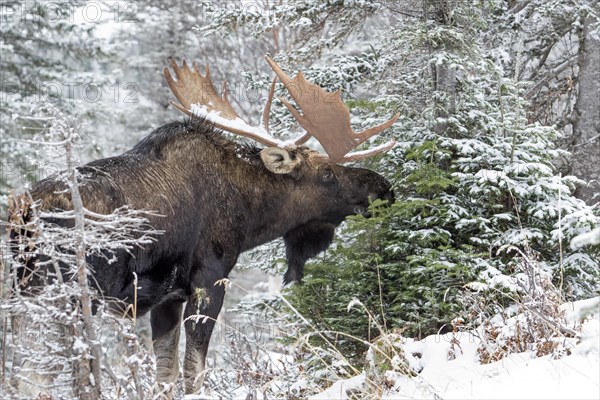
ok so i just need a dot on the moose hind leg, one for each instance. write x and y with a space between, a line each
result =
205 303
166 323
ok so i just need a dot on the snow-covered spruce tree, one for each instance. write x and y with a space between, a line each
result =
554 45
54 346
473 178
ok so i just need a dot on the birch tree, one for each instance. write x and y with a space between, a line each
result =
552 47
585 162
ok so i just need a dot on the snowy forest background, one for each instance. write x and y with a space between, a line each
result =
497 176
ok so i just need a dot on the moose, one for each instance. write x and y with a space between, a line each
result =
214 198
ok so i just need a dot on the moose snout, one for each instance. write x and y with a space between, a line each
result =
387 195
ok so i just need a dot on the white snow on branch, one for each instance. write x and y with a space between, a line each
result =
586 239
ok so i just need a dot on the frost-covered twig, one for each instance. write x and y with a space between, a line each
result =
60 346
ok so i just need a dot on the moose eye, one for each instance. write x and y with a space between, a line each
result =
328 176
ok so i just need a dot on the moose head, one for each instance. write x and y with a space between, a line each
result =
325 117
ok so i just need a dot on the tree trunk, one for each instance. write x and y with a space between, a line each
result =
585 162
442 75
444 82
88 376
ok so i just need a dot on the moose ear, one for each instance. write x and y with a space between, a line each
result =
278 160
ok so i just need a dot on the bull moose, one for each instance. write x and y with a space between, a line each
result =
215 198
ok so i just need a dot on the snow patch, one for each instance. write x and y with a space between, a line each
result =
450 368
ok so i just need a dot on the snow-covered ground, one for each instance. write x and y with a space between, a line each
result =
517 376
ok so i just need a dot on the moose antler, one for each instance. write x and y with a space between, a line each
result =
324 115
198 97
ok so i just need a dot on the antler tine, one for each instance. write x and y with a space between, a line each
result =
326 117
370 132
198 98
302 139
361 155
267 109
358 155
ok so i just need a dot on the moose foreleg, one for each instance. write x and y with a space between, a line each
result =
201 313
